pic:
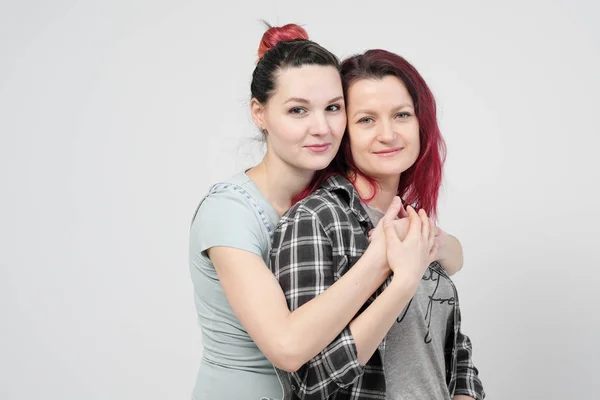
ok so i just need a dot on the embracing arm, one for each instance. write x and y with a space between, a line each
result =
290 339
448 249
449 252
409 259
341 362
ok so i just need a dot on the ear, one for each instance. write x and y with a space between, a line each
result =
257 110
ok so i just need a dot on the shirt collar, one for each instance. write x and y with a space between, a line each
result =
339 185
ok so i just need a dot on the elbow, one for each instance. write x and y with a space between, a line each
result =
286 356
288 365
456 268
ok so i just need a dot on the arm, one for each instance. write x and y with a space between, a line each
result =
289 339
449 252
408 258
340 363
303 241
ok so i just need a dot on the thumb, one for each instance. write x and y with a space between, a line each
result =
393 209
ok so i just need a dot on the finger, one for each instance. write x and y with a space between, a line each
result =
370 234
402 213
433 240
391 238
414 229
426 227
401 226
433 230
393 209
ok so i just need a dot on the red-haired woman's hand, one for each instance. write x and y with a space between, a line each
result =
409 258
377 239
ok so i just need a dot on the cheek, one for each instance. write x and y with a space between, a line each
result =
290 131
337 125
412 136
359 146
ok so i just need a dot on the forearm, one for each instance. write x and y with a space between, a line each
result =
314 325
370 328
450 256
462 397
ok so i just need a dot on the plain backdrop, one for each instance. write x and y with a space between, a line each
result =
116 116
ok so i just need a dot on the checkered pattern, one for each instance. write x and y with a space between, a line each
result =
315 243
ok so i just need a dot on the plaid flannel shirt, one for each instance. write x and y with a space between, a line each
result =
314 244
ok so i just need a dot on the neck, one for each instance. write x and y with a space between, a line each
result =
279 182
388 188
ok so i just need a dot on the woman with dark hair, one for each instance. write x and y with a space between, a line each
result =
298 104
393 147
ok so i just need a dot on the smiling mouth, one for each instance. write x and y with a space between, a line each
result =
389 152
318 148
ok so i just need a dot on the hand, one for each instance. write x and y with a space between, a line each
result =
377 240
409 258
401 223
462 397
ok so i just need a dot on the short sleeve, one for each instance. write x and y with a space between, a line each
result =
227 218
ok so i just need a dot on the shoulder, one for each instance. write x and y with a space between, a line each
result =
227 211
322 206
232 194
223 198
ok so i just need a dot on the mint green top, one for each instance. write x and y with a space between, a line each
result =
233 214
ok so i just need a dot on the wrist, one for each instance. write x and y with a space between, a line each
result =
375 260
405 284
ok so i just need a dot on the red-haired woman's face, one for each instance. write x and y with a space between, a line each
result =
383 128
305 118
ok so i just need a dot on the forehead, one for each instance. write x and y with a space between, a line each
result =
311 82
387 91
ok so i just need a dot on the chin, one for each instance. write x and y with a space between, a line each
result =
385 174
318 166
312 165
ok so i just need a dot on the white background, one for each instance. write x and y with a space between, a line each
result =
116 116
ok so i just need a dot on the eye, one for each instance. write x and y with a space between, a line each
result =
403 115
334 107
297 110
365 120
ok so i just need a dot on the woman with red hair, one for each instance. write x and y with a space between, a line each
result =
392 147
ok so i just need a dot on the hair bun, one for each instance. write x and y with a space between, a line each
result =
276 34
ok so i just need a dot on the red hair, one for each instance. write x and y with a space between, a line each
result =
276 34
420 184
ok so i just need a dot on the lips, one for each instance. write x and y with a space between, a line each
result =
389 152
318 148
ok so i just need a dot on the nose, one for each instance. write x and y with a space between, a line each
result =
385 132
319 125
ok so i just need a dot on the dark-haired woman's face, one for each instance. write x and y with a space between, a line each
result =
305 117
383 128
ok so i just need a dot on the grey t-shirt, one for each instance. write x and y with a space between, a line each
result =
414 361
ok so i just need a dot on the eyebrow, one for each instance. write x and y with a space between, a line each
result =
397 108
304 101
